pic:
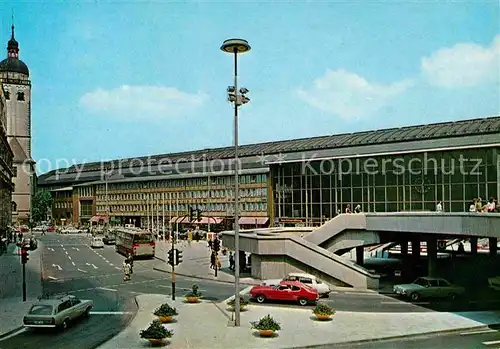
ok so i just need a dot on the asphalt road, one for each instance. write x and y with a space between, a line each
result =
488 338
70 265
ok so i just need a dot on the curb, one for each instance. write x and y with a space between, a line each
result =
202 277
6 334
422 335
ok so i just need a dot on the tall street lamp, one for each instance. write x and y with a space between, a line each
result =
236 46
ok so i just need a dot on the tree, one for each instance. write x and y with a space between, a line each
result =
40 205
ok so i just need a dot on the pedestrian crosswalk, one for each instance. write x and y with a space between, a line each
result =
486 337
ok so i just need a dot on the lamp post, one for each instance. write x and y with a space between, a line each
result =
236 46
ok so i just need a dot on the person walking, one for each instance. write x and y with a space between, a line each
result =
130 261
212 260
231 261
126 271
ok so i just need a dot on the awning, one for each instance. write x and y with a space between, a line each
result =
97 219
253 220
206 220
179 220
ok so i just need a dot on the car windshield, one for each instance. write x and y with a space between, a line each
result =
421 282
143 239
41 309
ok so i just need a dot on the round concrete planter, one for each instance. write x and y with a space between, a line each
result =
155 341
192 299
266 333
165 319
322 317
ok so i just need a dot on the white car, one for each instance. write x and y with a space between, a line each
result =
70 230
97 242
307 279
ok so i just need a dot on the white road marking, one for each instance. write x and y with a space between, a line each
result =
107 289
111 264
52 278
69 257
177 288
118 268
478 332
51 249
106 260
76 248
62 245
91 265
110 312
83 271
66 252
491 342
73 263
57 266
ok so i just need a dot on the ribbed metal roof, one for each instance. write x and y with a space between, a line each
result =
392 135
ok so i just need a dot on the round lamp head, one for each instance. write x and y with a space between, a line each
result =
235 45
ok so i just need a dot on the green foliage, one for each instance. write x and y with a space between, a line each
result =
323 309
194 292
232 302
165 310
266 323
40 205
156 331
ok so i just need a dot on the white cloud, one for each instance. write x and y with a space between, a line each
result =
142 102
463 65
349 95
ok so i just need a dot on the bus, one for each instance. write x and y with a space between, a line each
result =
139 243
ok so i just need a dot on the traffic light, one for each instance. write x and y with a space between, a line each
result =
216 245
198 215
171 257
24 256
191 214
178 257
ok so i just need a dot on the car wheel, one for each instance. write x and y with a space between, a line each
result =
260 298
303 301
415 297
64 325
87 311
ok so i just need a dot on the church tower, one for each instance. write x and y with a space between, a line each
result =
14 78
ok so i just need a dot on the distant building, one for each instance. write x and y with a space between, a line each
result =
14 77
6 169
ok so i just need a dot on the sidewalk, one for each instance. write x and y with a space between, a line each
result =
206 325
196 263
12 308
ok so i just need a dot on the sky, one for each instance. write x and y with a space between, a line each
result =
115 79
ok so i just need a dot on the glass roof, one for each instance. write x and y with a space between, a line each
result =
411 133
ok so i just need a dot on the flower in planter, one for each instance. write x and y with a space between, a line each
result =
166 310
194 292
156 331
266 323
323 309
243 302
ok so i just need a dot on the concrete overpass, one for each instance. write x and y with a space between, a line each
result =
276 252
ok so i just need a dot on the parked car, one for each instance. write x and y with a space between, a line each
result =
97 242
429 287
51 229
41 228
292 291
56 311
494 283
70 230
307 279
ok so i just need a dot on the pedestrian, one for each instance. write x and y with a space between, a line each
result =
130 261
348 209
210 244
212 260
126 271
357 209
439 207
231 261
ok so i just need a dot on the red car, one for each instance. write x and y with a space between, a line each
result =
286 291
51 229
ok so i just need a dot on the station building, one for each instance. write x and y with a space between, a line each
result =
301 182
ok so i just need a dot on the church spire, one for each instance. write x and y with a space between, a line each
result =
13 46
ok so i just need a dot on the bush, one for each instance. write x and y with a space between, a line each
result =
165 310
194 292
323 309
232 302
266 323
156 331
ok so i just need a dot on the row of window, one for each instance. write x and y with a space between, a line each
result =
20 96
228 208
205 194
191 182
64 204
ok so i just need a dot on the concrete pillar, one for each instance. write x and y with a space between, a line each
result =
360 253
404 248
431 256
493 247
473 245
